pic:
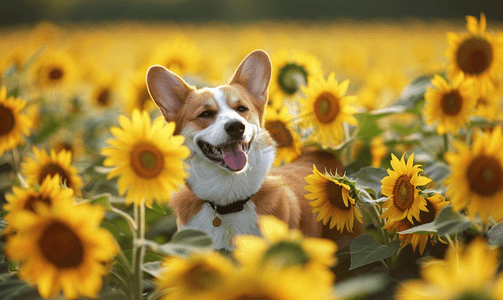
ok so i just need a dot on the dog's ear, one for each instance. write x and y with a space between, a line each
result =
254 74
167 89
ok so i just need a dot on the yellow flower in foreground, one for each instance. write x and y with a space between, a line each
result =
290 284
476 54
466 273
284 249
62 247
13 124
48 193
328 107
36 170
434 204
476 179
331 199
450 105
401 188
288 142
147 157
200 276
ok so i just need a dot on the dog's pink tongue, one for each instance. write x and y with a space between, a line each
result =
234 157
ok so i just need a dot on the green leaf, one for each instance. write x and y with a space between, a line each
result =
158 208
103 200
366 250
13 288
495 235
370 177
436 171
449 222
428 228
186 241
153 268
367 126
414 92
47 130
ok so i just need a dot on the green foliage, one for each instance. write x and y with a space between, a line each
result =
186 241
366 250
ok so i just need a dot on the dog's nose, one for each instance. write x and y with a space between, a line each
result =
235 129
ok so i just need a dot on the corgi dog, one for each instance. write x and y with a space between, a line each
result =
231 181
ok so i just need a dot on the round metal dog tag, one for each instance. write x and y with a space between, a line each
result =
217 222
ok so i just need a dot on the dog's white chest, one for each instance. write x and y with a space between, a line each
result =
237 223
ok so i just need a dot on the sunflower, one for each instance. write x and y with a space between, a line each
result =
47 193
137 95
62 247
180 56
450 104
329 108
199 276
476 54
283 249
291 284
147 158
13 124
104 90
332 200
434 204
55 69
401 188
36 170
476 179
291 69
288 142
465 273
488 104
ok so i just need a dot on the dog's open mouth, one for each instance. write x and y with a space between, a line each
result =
233 155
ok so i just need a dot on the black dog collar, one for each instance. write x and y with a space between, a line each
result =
231 208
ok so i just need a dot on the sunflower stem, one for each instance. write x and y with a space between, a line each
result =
138 251
131 222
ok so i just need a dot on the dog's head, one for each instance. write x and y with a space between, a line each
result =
221 125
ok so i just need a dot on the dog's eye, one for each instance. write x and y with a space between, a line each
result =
242 108
207 114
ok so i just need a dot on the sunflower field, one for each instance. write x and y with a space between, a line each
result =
412 109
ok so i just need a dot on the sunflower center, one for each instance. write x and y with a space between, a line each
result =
286 254
7 120
104 97
52 169
63 146
147 160
451 103
291 77
30 202
485 175
280 133
56 74
200 278
61 246
334 195
403 193
326 107
474 55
